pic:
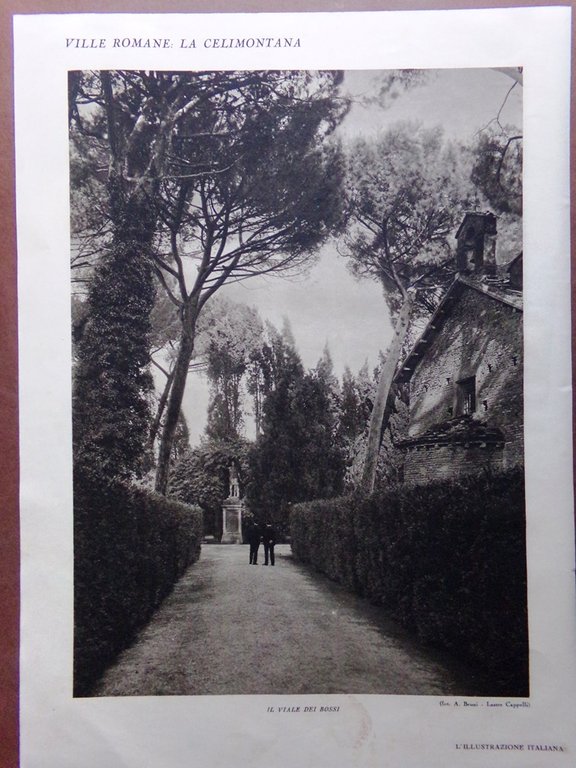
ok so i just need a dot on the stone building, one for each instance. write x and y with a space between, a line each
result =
465 374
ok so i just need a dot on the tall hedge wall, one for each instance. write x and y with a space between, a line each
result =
447 560
130 546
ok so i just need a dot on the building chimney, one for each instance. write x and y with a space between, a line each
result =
476 244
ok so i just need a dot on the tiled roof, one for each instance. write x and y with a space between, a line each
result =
463 430
494 288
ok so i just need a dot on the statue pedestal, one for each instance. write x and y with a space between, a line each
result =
232 521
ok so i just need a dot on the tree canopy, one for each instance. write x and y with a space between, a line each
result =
208 177
497 169
297 456
406 191
232 338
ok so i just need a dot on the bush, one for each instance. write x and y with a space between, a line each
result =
447 560
130 546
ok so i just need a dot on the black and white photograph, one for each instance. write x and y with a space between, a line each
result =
294 388
297 382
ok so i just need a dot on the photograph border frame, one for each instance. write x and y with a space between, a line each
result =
9 560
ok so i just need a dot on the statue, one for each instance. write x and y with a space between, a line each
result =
232 510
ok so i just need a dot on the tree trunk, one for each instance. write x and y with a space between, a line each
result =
384 386
161 406
176 395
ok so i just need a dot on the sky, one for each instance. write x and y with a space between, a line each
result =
328 305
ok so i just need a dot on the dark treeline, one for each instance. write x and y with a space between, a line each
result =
182 182
308 425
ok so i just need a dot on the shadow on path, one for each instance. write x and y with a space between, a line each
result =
233 628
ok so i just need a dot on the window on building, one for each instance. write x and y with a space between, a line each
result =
466 396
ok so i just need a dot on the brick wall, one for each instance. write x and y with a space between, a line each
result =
427 464
480 337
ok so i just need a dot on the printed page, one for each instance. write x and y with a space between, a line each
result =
294 293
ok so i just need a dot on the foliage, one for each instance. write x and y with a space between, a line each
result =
90 225
406 191
250 216
201 477
112 383
297 456
213 163
390 463
165 324
231 337
497 168
130 546
356 404
447 560
275 358
354 409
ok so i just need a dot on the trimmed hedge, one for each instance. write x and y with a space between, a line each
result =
130 547
447 560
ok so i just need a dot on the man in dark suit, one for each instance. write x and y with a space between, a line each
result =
254 537
269 539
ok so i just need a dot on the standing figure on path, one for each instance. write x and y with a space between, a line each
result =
269 538
254 537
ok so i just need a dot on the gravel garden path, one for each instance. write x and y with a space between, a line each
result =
233 628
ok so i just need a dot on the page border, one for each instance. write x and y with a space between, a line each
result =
9 521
